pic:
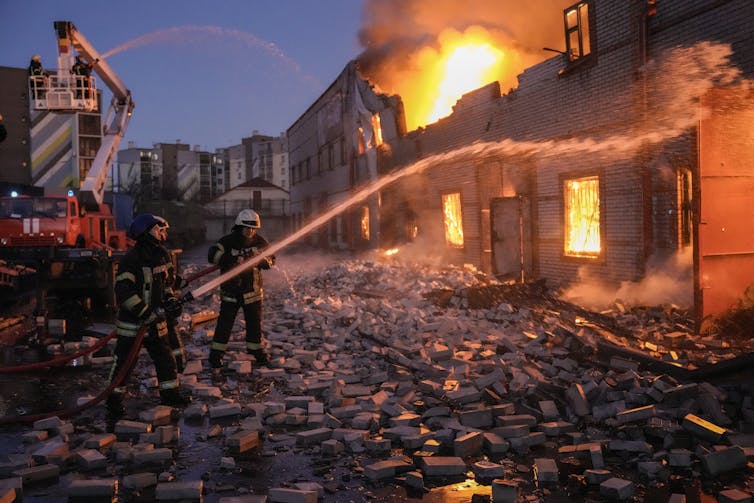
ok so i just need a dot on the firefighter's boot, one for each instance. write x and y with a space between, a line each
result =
215 359
260 356
174 398
115 410
180 363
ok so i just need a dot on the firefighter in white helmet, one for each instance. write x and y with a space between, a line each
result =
243 291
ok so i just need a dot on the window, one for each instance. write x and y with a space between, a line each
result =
362 146
88 146
365 223
452 219
582 217
377 128
576 18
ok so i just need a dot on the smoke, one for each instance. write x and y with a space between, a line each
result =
667 281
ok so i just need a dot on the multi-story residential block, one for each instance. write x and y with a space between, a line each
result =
236 165
221 174
266 157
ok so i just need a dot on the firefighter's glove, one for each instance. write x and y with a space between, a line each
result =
266 263
180 282
173 307
151 318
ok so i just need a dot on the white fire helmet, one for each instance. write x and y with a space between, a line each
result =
249 218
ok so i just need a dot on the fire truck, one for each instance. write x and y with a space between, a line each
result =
70 238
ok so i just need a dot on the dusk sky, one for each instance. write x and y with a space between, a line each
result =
205 73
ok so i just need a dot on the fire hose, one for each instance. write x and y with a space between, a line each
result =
130 360
189 296
62 360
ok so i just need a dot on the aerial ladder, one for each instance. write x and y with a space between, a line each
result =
65 92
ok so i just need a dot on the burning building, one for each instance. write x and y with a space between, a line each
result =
336 146
633 147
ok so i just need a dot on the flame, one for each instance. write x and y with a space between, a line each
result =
467 68
451 206
391 251
455 64
582 217
412 46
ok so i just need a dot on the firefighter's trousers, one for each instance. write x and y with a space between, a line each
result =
228 310
176 345
160 351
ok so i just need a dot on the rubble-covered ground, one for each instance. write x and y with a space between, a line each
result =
392 381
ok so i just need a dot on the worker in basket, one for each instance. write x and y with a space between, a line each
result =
243 290
145 297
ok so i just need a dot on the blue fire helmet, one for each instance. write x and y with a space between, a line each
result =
143 223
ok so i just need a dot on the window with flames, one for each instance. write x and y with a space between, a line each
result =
582 217
365 223
452 219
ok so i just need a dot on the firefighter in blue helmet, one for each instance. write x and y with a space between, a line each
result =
243 291
145 297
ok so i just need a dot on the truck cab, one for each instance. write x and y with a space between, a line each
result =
38 221
34 225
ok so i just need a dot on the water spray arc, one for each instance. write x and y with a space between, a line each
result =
178 33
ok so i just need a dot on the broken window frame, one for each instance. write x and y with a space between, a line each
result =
364 223
459 218
685 208
583 256
361 144
376 130
581 29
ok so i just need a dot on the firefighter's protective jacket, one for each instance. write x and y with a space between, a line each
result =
145 278
232 250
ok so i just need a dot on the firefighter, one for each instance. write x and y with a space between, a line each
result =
172 306
242 291
37 74
82 72
145 298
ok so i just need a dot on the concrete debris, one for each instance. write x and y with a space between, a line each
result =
384 375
